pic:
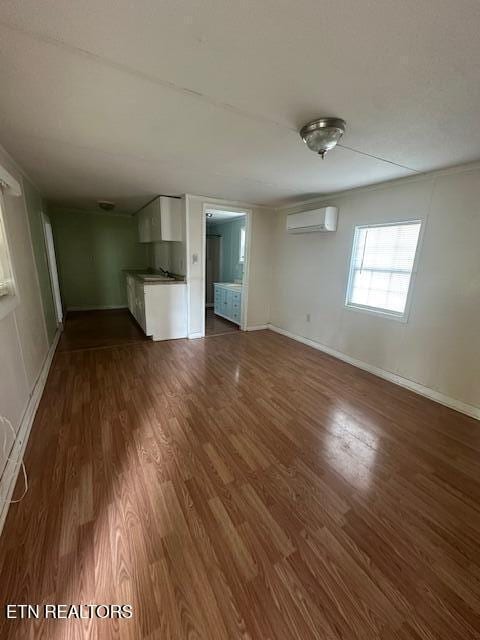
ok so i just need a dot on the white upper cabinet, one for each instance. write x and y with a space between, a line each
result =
144 226
161 220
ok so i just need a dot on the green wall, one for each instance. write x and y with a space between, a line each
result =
92 251
231 268
34 205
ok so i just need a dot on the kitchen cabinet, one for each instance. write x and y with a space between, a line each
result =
159 309
144 221
161 220
228 301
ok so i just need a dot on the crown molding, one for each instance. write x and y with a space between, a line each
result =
418 177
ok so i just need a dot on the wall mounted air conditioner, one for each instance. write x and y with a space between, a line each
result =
324 219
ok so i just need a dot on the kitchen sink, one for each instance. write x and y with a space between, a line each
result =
154 277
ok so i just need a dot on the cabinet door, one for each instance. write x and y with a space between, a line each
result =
217 299
131 294
156 227
171 218
228 303
137 308
144 225
236 306
141 315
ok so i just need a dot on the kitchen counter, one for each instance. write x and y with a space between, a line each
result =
146 277
160 311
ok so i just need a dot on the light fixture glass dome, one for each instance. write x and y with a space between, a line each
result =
323 134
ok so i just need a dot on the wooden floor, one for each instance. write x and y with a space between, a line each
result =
94 329
216 325
244 486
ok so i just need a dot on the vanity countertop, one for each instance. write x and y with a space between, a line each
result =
229 285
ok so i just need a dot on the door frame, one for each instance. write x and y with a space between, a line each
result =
52 268
220 258
246 264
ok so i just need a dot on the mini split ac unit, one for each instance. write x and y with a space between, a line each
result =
324 219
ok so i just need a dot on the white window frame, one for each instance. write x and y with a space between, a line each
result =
9 301
242 241
378 311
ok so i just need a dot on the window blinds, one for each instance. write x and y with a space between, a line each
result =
381 268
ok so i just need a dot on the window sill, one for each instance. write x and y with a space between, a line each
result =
378 312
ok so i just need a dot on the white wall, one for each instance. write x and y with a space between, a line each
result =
23 336
260 267
439 346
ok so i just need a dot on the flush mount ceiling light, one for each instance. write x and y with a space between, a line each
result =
323 134
106 205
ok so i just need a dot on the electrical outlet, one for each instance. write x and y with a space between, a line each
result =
308 317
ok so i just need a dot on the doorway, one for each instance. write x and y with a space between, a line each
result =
225 269
52 268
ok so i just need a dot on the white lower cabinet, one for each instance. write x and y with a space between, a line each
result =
160 309
228 301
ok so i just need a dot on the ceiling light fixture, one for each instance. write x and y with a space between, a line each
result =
106 205
323 134
209 214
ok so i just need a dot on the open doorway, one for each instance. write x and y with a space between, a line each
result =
52 268
226 263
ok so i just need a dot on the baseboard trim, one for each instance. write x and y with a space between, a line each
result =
257 327
8 479
195 335
102 308
431 394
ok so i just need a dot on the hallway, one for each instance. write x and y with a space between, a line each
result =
97 329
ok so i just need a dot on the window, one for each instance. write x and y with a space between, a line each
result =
383 259
6 281
242 245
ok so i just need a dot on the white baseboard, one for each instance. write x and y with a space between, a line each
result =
102 308
10 473
436 396
257 327
195 335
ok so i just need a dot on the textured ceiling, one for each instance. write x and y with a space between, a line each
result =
111 99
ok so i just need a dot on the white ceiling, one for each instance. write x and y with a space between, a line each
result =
122 100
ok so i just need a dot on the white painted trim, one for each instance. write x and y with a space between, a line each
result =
376 311
101 308
195 335
18 168
257 327
323 199
436 396
12 186
12 468
229 205
248 213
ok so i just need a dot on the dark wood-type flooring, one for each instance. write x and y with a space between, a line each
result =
95 329
216 325
244 486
